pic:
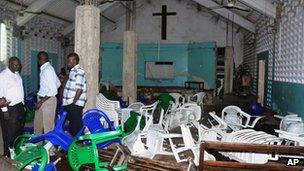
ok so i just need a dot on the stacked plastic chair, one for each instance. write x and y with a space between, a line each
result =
56 137
101 136
252 137
110 107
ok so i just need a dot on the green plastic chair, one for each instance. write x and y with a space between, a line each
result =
131 122
20 141
164 100
32 155
84 150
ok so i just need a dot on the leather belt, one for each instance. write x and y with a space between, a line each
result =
40 97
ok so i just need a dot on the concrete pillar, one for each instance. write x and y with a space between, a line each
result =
87 45
129 87
228 79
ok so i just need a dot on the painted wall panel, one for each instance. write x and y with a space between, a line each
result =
202 64
111 63
176 53
112 56
288 97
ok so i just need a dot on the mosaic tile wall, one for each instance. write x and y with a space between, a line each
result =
257 43
289 63
286 48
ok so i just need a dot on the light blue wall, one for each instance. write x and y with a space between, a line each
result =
202 63
111 63
179 54
288 97
176 53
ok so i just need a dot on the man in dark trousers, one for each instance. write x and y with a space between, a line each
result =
75 93
12 116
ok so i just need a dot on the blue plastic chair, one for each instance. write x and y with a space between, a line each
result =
123 104
91 119
57 136
48 167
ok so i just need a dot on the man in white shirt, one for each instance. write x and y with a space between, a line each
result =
12 116
47 102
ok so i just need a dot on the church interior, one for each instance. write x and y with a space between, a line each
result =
169 84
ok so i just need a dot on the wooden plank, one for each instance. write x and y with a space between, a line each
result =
228 78
258 148
255 148
161 162
274 167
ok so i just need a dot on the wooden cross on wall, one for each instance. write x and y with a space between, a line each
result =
164 15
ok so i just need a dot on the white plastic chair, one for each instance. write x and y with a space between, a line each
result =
198 98
189 144
147 112
297 139
136 106
178 99
237 119
125 112
221 124
134 140
253 137
110 107
288 121
185 114
153 134
213 133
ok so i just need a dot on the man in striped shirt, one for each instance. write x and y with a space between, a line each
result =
74 94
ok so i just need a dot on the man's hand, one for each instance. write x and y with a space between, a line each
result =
38 105
6 115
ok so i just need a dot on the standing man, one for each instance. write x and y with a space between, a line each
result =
47 102
74 95
12 116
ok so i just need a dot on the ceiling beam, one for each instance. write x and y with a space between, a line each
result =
225 13
36 6
262 6
102 8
